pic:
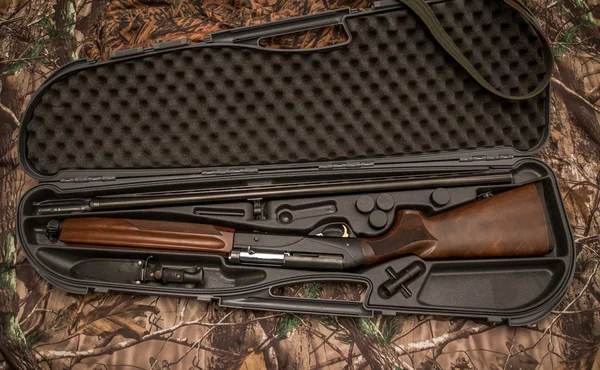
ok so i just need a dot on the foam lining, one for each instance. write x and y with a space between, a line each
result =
391 91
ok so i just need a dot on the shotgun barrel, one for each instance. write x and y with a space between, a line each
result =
124 202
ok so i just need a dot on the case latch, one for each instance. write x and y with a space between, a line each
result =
170 44
117 54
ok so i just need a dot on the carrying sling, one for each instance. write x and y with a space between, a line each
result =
426 14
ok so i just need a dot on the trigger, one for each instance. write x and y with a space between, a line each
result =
335 230
345 233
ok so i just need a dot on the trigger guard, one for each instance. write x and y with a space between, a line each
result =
345 229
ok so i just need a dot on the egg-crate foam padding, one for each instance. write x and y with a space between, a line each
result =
391 91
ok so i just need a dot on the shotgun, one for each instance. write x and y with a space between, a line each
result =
512 223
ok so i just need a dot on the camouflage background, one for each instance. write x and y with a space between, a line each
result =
42 327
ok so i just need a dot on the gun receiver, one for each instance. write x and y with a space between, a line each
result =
512 223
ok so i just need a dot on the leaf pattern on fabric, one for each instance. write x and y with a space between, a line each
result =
112 314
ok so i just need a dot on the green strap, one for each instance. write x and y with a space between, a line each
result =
425 13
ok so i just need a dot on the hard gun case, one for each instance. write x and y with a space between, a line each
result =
229 113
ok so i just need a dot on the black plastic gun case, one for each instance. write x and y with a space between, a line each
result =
299 143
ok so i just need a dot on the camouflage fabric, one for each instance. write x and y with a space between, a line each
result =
128 23
43 327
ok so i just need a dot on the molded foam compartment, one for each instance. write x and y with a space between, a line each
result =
392 91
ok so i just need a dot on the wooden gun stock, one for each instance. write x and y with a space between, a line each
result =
512 223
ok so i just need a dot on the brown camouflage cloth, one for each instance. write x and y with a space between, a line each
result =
127 24
43 327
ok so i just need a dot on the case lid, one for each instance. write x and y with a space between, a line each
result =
390 94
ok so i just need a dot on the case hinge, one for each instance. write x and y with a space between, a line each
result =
478 158
229 172
89 179
341 166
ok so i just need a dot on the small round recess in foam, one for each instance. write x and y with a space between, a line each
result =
392 91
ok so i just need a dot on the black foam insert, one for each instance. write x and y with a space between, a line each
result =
392 91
